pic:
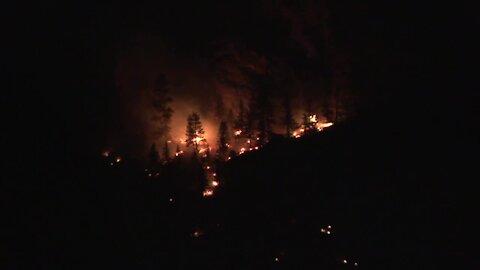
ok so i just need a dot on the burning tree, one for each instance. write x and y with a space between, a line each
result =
309 123
223 140
161 104
195 132
240 122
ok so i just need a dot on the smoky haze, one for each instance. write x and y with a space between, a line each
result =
212 68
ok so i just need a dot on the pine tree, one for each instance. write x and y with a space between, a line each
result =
288 121
195 132
240 122
162 110
166 151
153 155
309 123
223 140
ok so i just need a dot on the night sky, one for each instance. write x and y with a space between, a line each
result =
81 74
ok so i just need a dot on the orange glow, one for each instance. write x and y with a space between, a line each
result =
207 193
214 183
256 147
238 132
313 118
324 125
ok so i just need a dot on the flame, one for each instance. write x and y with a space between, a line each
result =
238 132
214 183
207 193
313 118
198 139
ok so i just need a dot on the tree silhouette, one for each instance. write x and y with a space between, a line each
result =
288 121
153 155
162 110
223 140
309 122
195 132
241 121
166 151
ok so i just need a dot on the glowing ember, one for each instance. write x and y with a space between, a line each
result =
256 147
106 154
214 174
169 141
178 153
248 141
344 261
208 167
207 193
214 183
313 118
324 125
197 233
118 159
238 132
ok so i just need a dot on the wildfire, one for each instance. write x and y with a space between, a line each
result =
313 118
197 140
326 230
324 125
207 193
